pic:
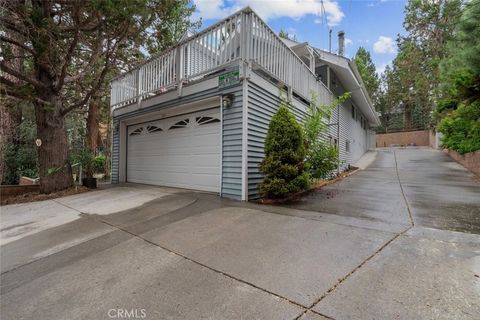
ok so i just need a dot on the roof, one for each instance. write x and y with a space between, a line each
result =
348 74
351 79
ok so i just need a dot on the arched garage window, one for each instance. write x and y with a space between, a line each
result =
151 129
136 131
180 124
206 120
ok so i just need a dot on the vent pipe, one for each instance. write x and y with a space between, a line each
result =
341 43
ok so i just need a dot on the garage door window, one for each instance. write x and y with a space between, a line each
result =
152 129
136 131
180 124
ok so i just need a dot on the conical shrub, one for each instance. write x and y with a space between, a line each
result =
283 165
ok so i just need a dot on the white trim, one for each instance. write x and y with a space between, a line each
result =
221 146
169 111
122 157
245 140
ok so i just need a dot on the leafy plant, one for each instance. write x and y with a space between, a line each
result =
283 165
459 106
100 164
321 157
461 128
84 158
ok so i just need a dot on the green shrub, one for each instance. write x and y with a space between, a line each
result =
283 165
321 157
99 166
461 128
322 160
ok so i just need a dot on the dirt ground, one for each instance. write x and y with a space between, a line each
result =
36 196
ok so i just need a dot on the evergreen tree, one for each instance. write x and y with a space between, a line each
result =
366 68
459 107
283 165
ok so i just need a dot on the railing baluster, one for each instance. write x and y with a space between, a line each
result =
242 35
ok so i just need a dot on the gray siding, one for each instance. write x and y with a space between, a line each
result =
262 104
115 150
232 146
232 137
350 128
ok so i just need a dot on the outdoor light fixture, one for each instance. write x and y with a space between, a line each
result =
227 100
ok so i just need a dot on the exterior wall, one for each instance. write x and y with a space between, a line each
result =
115 151
352 132
420 138
232 146
231 136
263 102
471 160
371 139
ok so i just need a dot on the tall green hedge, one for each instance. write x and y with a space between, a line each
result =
283 165
461 128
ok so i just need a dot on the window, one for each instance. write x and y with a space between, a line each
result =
353 112
206 120
151 129
180 124
136 131
347 146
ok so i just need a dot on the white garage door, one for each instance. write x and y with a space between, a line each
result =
181 151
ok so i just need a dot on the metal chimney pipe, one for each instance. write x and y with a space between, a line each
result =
341 43
330 41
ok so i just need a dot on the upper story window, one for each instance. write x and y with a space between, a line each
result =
353 112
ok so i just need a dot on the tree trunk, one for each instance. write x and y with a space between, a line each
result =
53 152
10 119
408 118
92 124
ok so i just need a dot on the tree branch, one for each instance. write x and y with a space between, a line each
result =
90 64
18 44
69 55
21 76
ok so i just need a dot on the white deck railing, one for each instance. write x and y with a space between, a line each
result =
241 36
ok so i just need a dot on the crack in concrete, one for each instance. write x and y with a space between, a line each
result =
201 264
412 224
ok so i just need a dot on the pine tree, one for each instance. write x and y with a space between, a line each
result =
366 68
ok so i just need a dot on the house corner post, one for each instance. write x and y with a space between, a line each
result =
245 133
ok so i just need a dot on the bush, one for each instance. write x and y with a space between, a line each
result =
99 166
461 128
283 165
321 157
322 160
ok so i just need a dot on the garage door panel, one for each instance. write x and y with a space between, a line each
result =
186 157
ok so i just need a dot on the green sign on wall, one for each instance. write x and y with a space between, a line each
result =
229 79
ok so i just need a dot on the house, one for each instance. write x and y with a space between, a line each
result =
196 116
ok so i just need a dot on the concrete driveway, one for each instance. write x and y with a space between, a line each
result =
398 240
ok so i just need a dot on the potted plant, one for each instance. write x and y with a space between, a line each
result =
85 159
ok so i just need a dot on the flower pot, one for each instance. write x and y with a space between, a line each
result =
90 183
